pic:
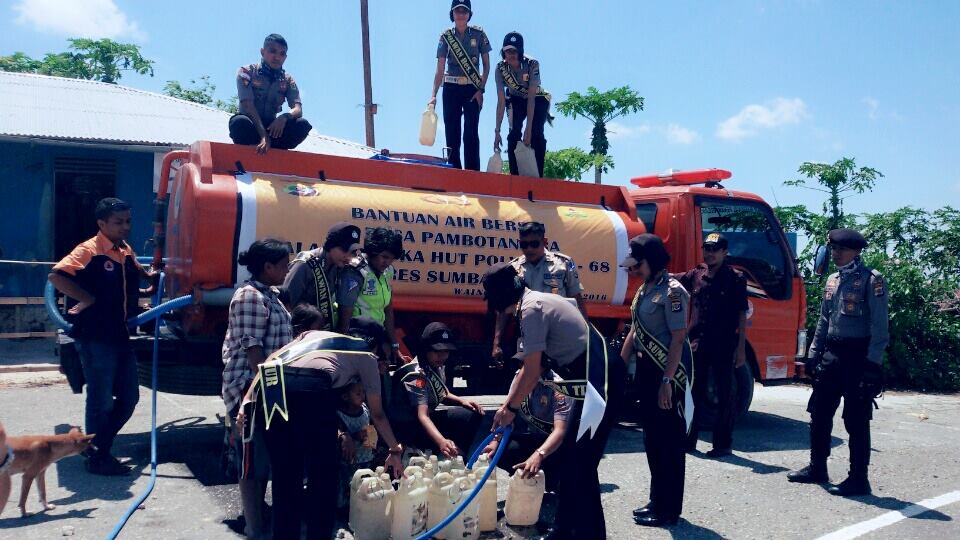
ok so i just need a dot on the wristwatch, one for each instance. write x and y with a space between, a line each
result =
542 453
665 380
514 410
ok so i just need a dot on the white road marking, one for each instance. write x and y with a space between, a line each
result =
859 529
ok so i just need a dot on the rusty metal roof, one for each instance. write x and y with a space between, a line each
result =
57 108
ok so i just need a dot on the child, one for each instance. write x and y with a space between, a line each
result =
357 437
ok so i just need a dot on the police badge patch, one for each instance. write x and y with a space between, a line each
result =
878 288
675 304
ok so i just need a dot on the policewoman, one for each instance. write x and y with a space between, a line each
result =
381 247
551 329
296 401
845 361
324 278
420 389
538 432
459 51
658 338
518 88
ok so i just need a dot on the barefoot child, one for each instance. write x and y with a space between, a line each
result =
357 437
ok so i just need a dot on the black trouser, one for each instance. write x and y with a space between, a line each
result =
664 436
841 379
458 424
521 447
304 445
518 108
714 360
242 131
457 103
579 511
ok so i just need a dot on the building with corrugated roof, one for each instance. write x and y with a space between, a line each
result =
67 143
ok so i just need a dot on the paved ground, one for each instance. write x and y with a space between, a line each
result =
916 457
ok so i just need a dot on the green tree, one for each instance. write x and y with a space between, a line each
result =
839 178
201 92
601 108
572 163
101 60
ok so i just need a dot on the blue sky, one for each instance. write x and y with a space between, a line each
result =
756 87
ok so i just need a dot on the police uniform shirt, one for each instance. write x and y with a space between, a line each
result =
662 308
418 387
545 405
854 306
554 273
344 367
375 294
474 41
716 302
301 285
528 75
268 89
552 325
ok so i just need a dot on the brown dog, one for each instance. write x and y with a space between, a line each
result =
32 455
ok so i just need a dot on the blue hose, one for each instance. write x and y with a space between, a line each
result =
151 314
506 430
50 300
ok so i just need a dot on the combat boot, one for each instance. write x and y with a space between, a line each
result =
810 474
851 487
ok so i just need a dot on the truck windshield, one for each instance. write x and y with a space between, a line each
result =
755 243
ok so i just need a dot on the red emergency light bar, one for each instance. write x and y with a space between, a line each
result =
681 178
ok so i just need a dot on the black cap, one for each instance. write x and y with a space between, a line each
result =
458 3
343 235
847 238
716 239
498 278
369 330
438 337
512 40
532 227
648 247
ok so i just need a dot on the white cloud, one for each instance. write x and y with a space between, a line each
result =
616 130
873 105
677 134
78 18
754 118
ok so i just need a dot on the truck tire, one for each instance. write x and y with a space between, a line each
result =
181 378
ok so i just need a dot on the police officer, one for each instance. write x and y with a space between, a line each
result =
544 271
845 361
459 49
518 85
665 374
381 247
323 277
261 89
718 322
551 328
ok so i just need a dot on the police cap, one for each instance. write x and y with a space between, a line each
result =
343 235
847 238
460 3
513 40
438 337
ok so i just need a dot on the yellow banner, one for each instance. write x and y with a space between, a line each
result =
449 240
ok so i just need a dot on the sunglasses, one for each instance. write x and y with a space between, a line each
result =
524 244
712 249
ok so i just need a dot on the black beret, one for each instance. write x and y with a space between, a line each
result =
847 238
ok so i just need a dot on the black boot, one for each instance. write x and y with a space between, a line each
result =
851 487
643 510
810 474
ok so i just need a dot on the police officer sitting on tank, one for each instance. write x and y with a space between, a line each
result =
420 388
325 279
527 102
718 322
845 361
543 271
261 89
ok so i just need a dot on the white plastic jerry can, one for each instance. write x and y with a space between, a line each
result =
438 502
369 508
409 509
428 126
495 164
526 160
417 461
524 497
358 477
487 496
466 526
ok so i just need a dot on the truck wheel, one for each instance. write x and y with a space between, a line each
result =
183 379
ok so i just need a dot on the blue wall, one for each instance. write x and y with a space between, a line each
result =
27 206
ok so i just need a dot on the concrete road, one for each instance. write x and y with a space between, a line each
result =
916 458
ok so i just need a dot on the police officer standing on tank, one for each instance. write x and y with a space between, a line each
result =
845 361
459 50
542 270
518 84
718 324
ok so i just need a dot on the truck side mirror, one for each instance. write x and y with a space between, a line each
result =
822 260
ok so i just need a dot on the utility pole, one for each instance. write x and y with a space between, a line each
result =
369 108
